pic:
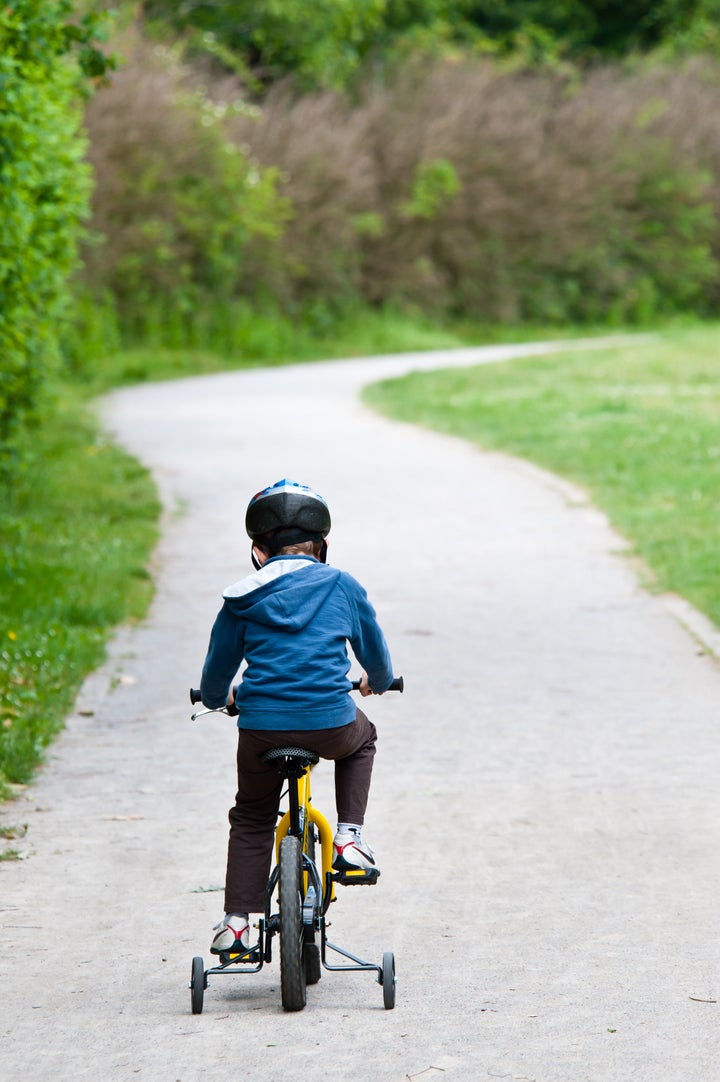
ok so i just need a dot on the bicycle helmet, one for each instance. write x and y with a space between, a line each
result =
286 513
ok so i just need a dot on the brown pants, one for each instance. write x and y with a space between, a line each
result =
254 816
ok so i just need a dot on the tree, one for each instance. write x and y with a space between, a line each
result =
326 42
321 43
586 28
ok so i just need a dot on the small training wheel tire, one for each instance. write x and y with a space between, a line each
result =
388 980
197 984
312 963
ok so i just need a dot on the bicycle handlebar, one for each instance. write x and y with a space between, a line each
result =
398 684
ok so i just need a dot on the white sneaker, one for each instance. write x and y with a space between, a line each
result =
350 852
233 936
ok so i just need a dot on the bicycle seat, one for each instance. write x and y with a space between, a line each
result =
301 757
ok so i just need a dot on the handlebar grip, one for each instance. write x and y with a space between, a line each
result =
398 684
195 696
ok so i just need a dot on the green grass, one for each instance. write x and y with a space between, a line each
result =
76 532
250 341
253 340
637 427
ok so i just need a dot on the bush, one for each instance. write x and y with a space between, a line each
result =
461 188
44 192
503 195
177 206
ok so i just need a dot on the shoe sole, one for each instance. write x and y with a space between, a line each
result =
342 865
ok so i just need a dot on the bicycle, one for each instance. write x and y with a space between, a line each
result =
298 894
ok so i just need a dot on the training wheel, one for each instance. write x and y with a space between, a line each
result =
388 980
197 985
312 963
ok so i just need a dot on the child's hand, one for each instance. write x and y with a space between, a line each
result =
365 688
230 706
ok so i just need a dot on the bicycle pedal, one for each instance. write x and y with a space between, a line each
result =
357 877
250 955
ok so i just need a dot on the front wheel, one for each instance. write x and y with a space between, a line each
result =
290 898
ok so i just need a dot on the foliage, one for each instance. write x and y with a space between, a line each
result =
324 44
461 188
320 42
583 28
44 190
434 185
498 195
637 426
178 206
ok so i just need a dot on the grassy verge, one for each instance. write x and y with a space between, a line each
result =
270 340
638 427
76 532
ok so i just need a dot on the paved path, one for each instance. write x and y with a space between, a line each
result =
545 803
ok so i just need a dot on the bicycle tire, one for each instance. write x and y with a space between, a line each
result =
290 896
197 985
312 963
311 951
389 980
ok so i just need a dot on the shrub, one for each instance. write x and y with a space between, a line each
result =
461 187
44 191
503 195
177 206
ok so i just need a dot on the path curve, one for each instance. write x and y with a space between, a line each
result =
545 802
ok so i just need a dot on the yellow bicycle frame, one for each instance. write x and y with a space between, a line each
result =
309 814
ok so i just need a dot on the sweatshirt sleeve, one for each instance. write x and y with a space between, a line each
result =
225 653
368 642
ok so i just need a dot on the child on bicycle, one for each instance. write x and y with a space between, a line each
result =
290 622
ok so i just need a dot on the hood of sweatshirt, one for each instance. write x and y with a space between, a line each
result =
286 592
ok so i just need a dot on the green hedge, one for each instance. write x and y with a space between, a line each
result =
45 60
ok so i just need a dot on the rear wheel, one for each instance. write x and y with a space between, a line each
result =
292 967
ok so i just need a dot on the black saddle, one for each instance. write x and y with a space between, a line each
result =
292 761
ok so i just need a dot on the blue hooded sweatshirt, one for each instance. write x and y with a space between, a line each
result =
291 622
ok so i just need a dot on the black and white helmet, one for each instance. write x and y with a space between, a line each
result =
286 513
